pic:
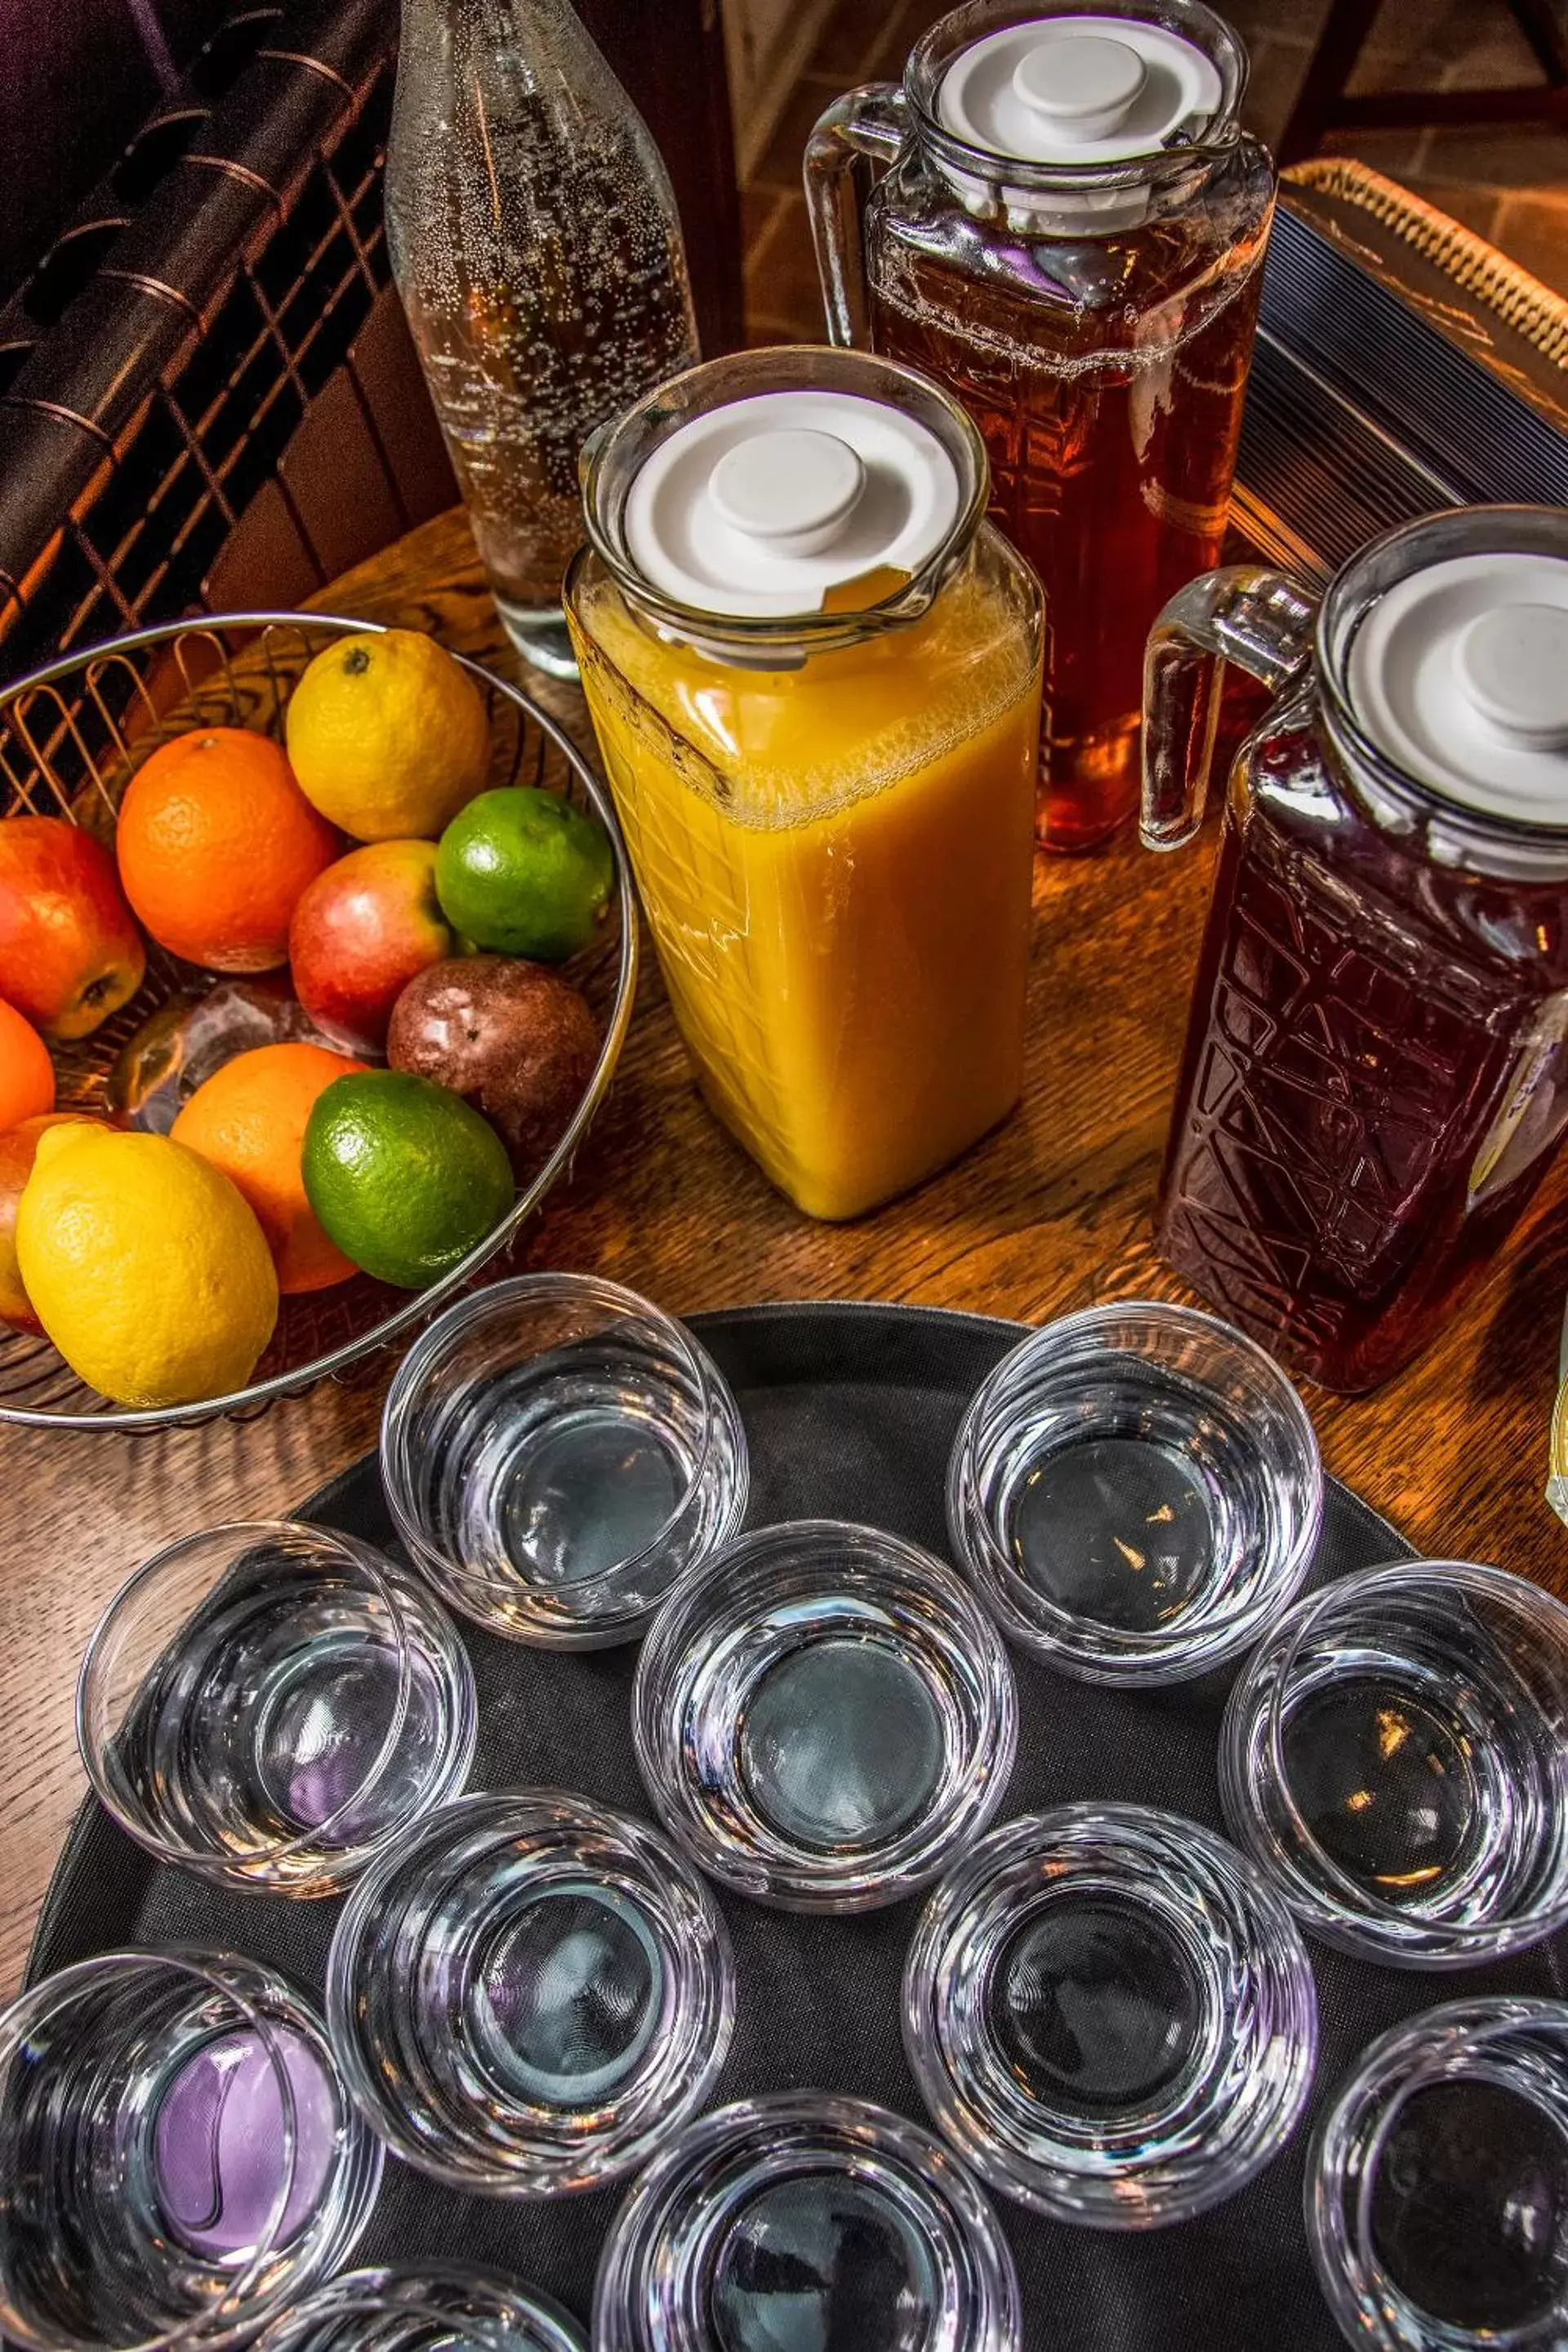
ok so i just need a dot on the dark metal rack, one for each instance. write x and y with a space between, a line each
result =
207 392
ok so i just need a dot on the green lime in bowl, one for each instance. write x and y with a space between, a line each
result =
404 1177
523 873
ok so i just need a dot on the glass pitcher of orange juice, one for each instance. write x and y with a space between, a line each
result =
814 673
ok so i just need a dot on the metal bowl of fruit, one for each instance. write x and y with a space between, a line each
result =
318 950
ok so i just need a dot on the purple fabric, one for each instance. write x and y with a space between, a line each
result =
219 2145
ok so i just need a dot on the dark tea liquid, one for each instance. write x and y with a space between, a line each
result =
1374 1077
1107 377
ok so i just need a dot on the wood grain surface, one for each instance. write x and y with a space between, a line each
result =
1050 1214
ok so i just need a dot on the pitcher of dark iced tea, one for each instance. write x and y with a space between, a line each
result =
1375 1075
1067 233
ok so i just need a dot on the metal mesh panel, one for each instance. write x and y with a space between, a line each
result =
156 451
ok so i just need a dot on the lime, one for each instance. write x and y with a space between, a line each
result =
524 873
403 1175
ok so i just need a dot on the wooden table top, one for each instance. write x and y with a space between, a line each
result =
1050 1214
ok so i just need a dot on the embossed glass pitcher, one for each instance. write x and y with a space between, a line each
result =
1375 1074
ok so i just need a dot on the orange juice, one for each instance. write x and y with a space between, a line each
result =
834 859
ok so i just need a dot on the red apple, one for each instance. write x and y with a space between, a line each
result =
71 953
363 930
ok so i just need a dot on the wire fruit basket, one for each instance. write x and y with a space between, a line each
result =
71 737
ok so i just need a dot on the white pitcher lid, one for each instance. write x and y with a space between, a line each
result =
761 506
1086 90
1458 673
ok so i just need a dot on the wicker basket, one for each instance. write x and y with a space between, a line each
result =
72 736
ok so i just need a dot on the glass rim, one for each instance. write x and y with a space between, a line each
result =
523 1289
216 2323
1480 2033
1441 2044
508 1816
339 1859
1210 1634
399 2290
1468 1940
625 442
1220 137
1163 1882
805 1878
839 2123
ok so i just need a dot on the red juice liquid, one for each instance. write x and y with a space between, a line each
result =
1107 377
1373 1081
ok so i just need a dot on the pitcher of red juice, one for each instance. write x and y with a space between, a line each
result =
1067 233
1375 1075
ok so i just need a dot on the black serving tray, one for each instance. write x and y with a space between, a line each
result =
850 1412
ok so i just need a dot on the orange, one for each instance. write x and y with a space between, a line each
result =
19 1149
216 843
248 1120
26 1073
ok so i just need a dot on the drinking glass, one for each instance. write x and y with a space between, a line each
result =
1396 1757
802 2219
1437 2199
179 2158
823 1715
270 1703
1111 2015
529 1994
556 1452
1136 1493
439 2308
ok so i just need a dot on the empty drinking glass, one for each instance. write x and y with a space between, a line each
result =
1437 2185
823 1715
439 2308
270 1703
1111 2015
805 2220
529 1994
1396 1756
179 2158
1136 1492
556 1452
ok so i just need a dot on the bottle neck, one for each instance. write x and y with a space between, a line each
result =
543 46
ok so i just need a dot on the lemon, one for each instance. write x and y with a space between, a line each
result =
387 735
144 1266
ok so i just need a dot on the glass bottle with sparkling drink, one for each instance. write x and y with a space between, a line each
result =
537 249
1067 235
1375 1076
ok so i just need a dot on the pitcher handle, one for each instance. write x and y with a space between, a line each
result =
862 130
1260 620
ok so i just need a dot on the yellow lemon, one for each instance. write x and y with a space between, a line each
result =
145 1266
387 735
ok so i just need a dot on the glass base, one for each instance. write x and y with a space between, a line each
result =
540 635
801 2222
1088 787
